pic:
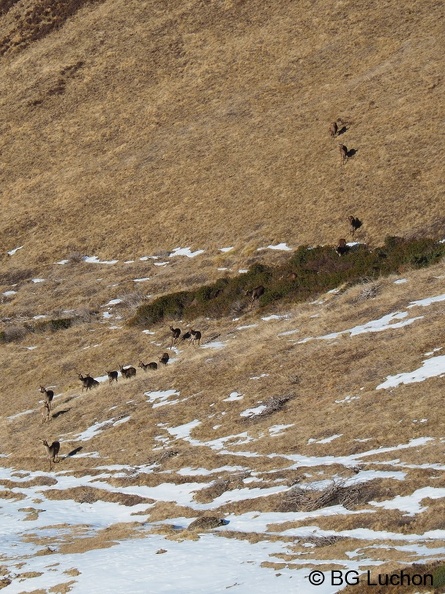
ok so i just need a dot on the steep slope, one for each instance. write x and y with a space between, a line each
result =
125 125
151 147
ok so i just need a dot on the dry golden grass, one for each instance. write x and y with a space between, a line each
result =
183 116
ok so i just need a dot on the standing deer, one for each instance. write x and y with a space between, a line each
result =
45 412
145 366
176 333
88 382
127 372
333 129
344 153
112 376
186 336
52 451
164 358
49 395
255 293
196 336
355 223
342 248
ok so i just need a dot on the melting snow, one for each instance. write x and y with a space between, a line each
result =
325 440
234 396
252 412
430 368
279 246
15 250
411 503
428 301
95 260
185 252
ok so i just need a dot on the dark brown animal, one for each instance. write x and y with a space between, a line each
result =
344 153
145 366
49 395
164 358
342 247
333 129
52 451
112 376
196 336
176 333
256 292
355 223
187 335
88 382
128 372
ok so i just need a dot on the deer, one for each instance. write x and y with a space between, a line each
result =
88 382
49 395
46 412
196 336
112 376
338 127
342 248
145 366
164 358
176 333
344 153
333 129
127 372
186 336
355 223
255 293
52 451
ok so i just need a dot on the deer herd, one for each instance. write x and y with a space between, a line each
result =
337 128
88 382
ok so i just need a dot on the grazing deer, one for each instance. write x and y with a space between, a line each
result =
49 395
127 372
187 335
46 412
88 382
112 376
196 336
164 358
355 223
52 451
342 247
255 293
145 366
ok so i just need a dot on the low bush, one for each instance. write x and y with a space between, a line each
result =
307 273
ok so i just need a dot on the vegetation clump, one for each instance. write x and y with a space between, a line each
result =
307 273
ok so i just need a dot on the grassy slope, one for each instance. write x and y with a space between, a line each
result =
187 116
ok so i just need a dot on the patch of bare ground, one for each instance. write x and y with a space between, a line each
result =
91 495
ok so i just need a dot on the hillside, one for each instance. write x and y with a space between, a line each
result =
151 147
152 121
308 438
